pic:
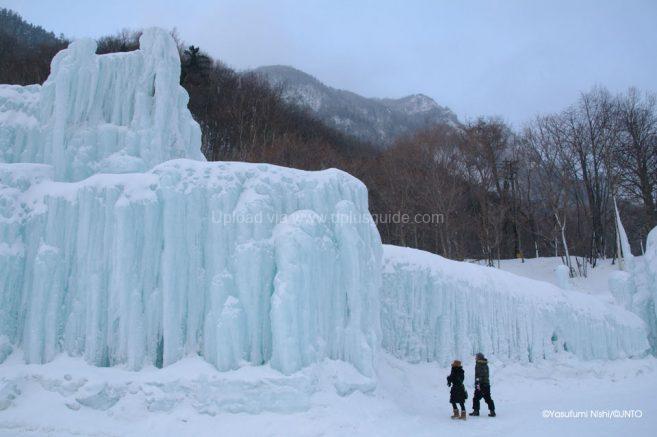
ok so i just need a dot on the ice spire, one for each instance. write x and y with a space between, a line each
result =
114 113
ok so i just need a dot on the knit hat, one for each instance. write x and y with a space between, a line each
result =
456 363
480 356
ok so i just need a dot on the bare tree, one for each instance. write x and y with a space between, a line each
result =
635 154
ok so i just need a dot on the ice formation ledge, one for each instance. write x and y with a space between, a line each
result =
114 113
241 263
434 309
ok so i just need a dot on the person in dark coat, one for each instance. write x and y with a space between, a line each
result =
482 386
457 394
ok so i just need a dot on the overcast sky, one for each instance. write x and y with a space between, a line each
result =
509 58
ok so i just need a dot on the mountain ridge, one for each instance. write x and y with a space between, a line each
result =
379 121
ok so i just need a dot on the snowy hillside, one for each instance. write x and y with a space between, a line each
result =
378 121
544 269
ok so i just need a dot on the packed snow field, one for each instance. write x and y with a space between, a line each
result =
144 290
67 397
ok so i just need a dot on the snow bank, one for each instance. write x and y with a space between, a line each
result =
191 385
115 113
238 262
434 309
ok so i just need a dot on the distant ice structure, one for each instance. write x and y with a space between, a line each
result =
240 263
562 274
634 287
434 309
645 281
115 113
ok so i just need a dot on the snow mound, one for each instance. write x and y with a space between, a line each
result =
114 113
238 262
434 309
190 384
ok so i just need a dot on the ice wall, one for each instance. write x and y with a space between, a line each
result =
238 262
114 113
434 309
112 249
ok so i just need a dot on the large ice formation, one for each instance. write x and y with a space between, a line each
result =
115 113
434 309
241 263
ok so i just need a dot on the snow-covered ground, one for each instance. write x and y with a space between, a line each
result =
62 398
543 269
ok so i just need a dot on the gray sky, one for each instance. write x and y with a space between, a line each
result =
509 58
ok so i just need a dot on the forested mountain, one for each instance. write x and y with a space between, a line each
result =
377 121
25 50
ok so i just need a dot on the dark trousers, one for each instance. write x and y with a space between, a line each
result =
483 391
460 403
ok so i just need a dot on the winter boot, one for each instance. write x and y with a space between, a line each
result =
464 416
491 413
455 414
474 413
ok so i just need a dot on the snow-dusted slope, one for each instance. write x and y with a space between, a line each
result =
115 113
435 309
241 263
